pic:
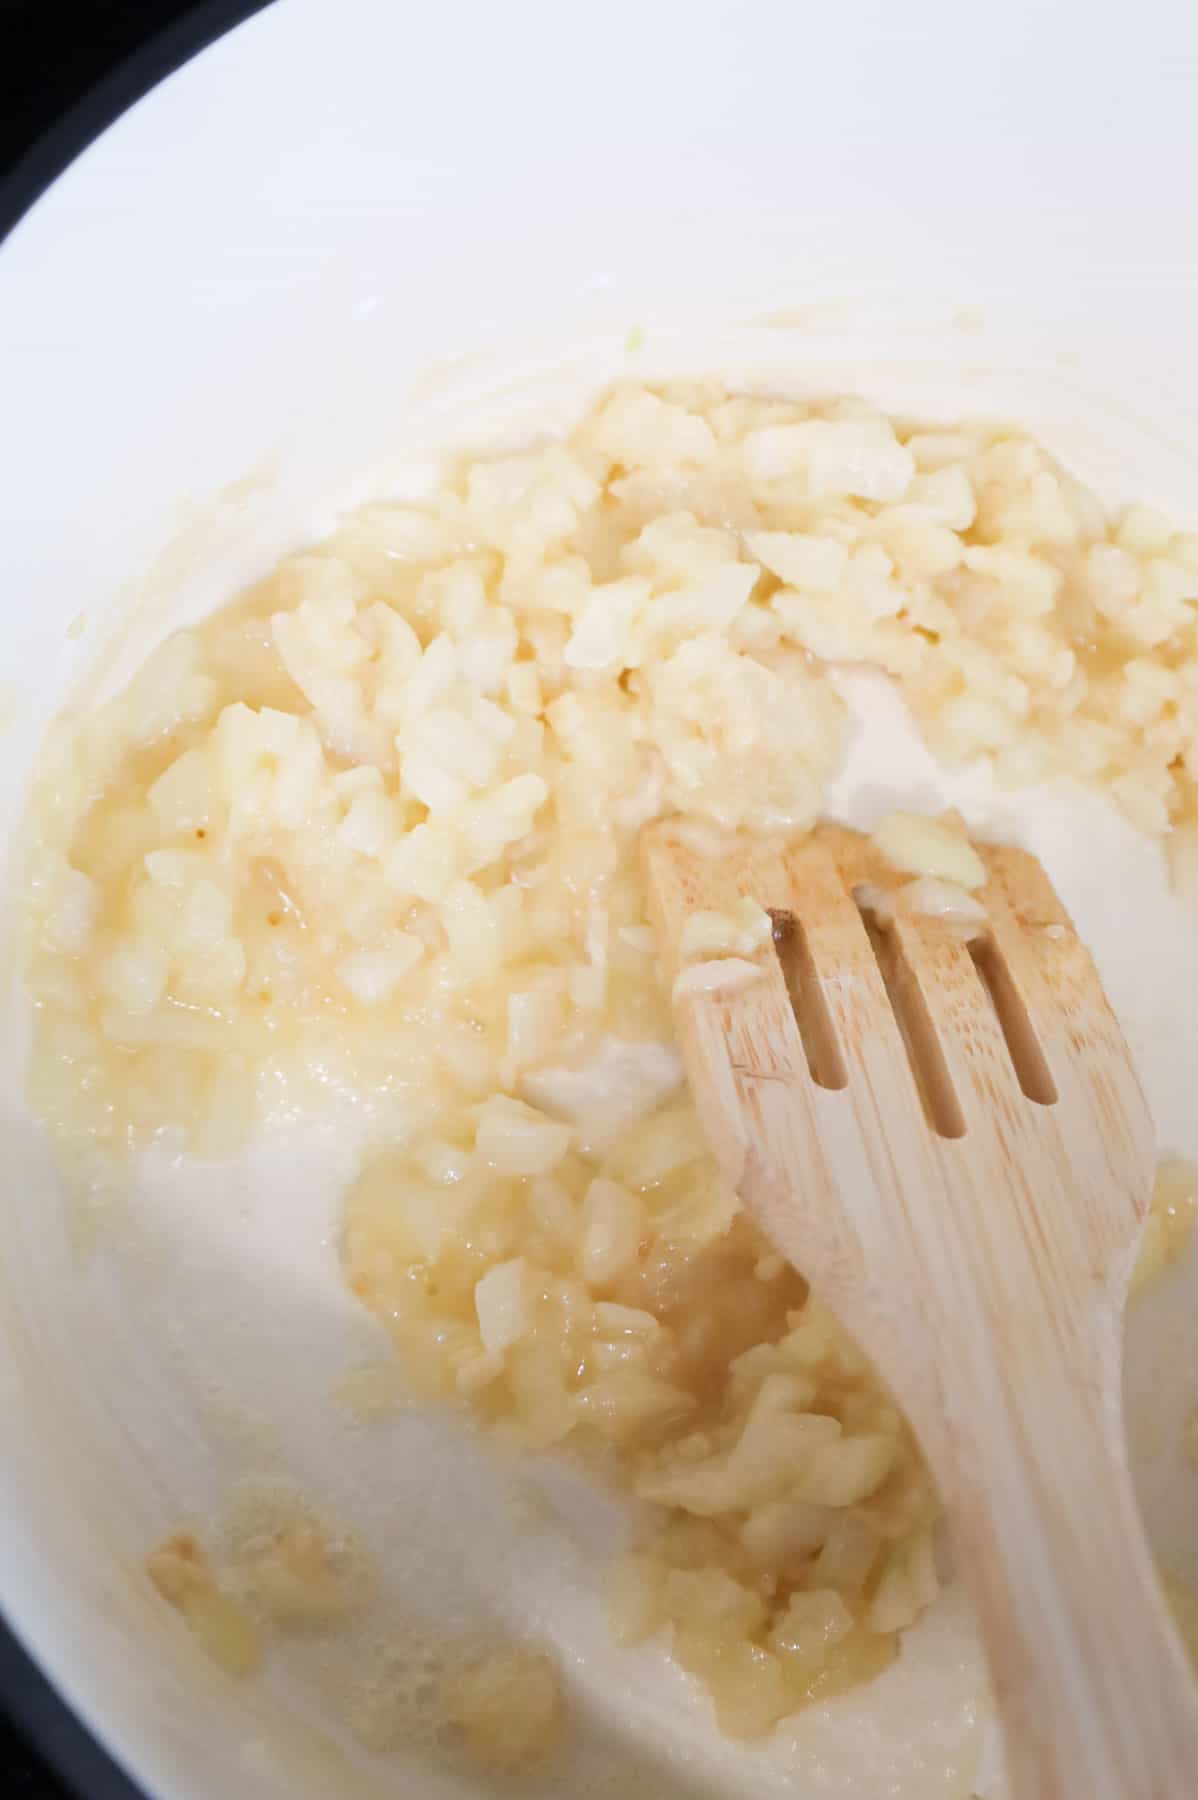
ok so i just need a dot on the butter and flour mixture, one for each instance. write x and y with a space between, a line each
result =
364 844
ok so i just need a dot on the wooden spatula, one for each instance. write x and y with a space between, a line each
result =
936 1119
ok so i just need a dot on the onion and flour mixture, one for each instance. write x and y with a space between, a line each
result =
365 843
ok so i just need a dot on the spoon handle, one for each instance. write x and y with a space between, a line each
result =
1093 1686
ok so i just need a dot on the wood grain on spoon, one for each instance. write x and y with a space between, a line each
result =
939 1124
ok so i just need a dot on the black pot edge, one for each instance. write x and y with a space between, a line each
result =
129 81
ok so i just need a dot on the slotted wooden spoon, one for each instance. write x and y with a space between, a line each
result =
942 1129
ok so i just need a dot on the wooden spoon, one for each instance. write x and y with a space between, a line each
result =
937 1121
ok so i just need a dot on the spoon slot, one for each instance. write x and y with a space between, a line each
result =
808 1003
938 1096
1023 1046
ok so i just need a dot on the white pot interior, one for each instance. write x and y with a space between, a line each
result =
334 242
